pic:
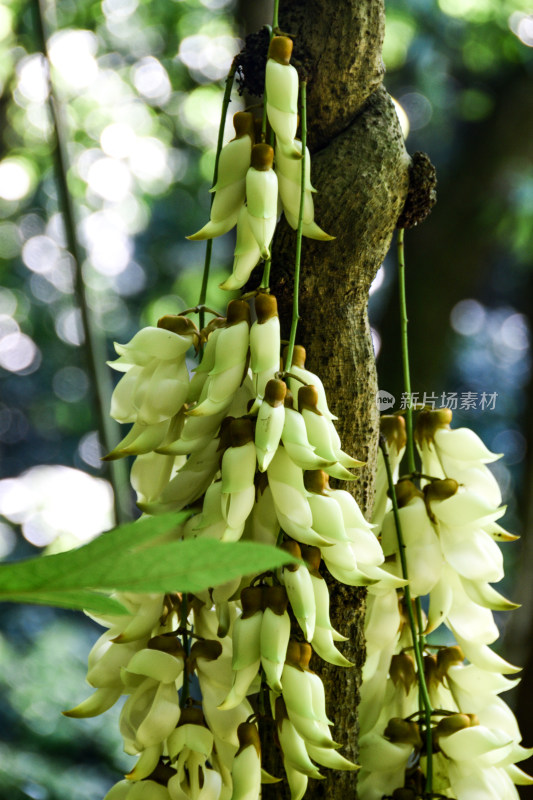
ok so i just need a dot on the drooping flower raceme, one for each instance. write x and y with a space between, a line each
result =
449 552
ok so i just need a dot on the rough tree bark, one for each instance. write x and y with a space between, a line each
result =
360 168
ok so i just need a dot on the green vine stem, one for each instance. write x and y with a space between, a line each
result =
405 351
101 385
275 15
424 694
187 647
265 281
298 257
221 128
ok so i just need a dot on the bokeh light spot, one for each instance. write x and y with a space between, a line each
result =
467 317
19 353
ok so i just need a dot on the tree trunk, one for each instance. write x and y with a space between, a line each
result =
360 169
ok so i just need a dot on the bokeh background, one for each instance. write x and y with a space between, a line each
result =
141 87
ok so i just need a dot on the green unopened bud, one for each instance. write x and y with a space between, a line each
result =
280 49
404 732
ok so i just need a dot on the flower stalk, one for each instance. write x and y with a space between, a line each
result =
299 232
405 350
415 629
221 128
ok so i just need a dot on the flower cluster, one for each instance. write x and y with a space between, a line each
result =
449 535
251 457
248 446
254 178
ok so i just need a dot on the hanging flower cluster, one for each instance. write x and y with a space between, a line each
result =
252 459
254 179
448 532
248 445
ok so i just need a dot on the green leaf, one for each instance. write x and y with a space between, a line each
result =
59 580
83 600
185 566
120 560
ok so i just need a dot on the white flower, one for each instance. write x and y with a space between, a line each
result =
289 172
281 86
262 197
246 255
156 379
229 189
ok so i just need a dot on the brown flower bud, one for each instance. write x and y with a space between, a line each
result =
262 157
440 489
266 307
280 49
317 481
402 671
400 730
247 735
167 643
292 547
452 724
237 311
191 715
428 423
276 599
251 600
275 392
312 556
241 432
406 491
178 324
449 657
308 399
289 400
392 427
243 122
